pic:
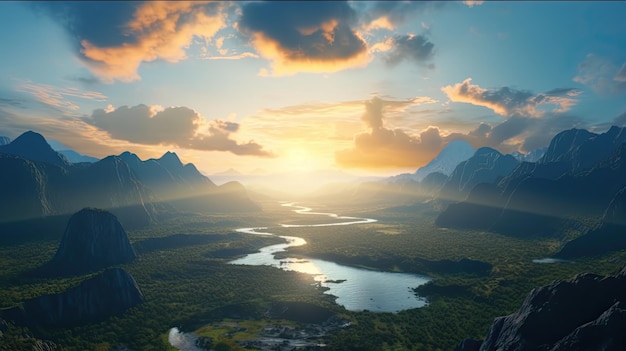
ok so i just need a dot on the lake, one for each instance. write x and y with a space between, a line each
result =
356 289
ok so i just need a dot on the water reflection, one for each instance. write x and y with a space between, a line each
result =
356 289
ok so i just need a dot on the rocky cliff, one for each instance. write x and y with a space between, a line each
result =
110 293
485 166
609 235
93 239
587 312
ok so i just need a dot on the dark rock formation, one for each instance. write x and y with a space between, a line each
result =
587 312
93 239
4 140
110 293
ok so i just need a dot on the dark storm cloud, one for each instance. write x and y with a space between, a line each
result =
299 33
180 126
416 48
100 22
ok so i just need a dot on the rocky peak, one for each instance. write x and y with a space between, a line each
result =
170 161
4 140
565 142
486 166
33 146
93 239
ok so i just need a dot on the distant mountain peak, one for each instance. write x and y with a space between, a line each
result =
452 154
33 146
170 159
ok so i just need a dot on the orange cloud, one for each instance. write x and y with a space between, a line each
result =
162 30
386 148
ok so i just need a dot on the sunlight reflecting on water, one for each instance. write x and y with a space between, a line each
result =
356 289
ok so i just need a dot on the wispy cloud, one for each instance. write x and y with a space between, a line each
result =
507 101
59 97
231 57
602 75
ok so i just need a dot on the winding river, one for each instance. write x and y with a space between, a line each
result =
356 289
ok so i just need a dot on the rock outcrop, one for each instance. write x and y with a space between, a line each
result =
109 293
587 312
93 239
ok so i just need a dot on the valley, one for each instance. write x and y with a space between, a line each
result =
368 270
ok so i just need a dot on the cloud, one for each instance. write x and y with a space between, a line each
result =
390 14
507 101
602 75
416 48
621 74
59 97
116 38
178 126
304 36
386 148
382 147
472 3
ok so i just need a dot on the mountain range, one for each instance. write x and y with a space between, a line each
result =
582 175
37 181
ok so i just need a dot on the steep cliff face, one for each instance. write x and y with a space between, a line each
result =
610 235
92 240
110 293
110 184
22 189
586 312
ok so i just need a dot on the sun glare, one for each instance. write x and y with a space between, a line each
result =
299 160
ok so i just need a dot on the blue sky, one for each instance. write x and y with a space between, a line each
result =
376 87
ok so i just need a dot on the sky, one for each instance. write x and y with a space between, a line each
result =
363 87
